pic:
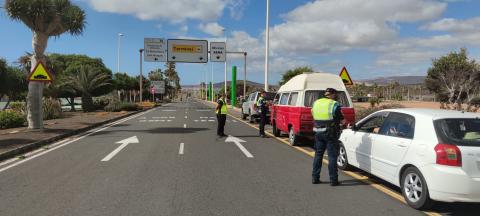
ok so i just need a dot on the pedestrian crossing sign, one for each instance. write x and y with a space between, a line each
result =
345 77
40 74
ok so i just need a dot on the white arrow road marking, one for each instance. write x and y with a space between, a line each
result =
180 151
124 143
237 142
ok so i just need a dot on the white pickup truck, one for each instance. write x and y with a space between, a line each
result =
249 108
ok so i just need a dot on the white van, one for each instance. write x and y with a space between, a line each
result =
293 102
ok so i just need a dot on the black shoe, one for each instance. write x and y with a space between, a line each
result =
316 181
334 183
224 135
262 136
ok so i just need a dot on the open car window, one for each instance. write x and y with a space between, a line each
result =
373 124
399 125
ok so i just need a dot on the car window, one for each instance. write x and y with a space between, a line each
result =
269 95
252 97
284 99
399 125
372 125
277 98
292 100
463 132
313 95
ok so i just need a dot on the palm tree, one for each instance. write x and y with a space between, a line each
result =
46 18
87 81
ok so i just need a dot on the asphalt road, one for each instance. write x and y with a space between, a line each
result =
180 167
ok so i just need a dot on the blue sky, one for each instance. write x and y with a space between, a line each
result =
372 38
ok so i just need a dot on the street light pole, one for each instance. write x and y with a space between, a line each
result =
225 70
244 74
141 75
267 33
118 54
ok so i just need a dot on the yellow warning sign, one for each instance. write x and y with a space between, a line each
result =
345 77
187 48
40 74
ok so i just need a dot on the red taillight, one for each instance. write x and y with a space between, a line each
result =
449 155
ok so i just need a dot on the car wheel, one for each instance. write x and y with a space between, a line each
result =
342 160
414 189
244 116
275 130
292 137
252 119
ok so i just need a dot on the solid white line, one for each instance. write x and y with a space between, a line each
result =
244 150
180 151
184 125
88 133
114 152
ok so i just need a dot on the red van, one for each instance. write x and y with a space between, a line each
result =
291 113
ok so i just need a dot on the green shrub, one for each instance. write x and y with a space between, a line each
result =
362 113
121 106
374 101
101 102
19 107
52 109
10 119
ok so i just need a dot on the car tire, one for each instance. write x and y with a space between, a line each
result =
292 137
251 118
415 190
275 130
342 160
244 116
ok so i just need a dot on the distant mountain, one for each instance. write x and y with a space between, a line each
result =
403 80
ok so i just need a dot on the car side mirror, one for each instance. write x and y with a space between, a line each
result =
352 127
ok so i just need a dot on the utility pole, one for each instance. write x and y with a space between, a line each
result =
267 33
244 74
225 70
141 75
118 54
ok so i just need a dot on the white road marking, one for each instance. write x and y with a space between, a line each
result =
124 143
86 134
169 120
212 117
211 120
156 117
143 121
143 117
169 110
234 120
237 142
151 120
196 120
172 117
184 125
186 117
204 120
180 151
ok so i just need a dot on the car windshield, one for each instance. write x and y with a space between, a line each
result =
459 131
312 96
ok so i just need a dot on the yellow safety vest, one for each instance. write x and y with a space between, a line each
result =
322 109
258 101
223 109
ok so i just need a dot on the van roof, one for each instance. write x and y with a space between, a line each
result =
314 80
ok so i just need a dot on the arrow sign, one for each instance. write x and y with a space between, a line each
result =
238 142
124 143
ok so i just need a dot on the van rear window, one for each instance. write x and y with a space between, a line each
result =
463 132
312 96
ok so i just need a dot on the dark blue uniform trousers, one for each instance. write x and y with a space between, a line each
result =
322 142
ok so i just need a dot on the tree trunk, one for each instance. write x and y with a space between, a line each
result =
87 103
35 89
6 105
72 108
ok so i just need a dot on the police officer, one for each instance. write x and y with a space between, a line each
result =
263 109
327 117
221 112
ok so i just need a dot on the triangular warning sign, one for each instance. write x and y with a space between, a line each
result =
345 77
40 74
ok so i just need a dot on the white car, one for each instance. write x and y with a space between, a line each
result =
432 155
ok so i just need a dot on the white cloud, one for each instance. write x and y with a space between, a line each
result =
213 29
455 25
174 11
339 25
237 7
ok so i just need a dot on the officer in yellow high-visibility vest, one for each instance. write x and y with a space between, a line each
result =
221 112
327 117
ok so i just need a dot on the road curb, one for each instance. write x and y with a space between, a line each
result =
36 145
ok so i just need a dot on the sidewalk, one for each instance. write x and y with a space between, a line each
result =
15 141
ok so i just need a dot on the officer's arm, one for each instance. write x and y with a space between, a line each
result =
338 113
220 104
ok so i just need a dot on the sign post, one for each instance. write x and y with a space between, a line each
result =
233 88
155 50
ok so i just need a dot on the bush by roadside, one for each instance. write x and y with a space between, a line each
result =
361 113
121 106
52 109
11 119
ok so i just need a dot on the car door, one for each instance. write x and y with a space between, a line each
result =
358 142
391 144
245 105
